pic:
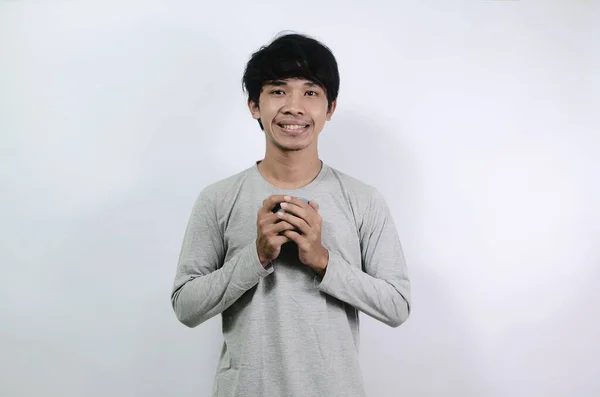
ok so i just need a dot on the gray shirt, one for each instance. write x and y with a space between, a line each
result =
287 332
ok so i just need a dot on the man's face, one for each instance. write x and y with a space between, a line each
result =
293 113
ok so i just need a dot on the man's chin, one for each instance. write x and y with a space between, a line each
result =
291 148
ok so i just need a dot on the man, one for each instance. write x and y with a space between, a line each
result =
290 279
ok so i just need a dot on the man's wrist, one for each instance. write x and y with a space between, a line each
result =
263 262
322 268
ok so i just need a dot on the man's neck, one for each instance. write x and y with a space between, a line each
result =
289 172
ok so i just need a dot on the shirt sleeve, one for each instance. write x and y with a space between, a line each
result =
379 286
204 284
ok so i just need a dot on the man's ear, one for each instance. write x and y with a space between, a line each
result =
254 110
331 110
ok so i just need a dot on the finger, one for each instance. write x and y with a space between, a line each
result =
281 227
302 243
267 220
303 211
270 202
300 202
298 222
300 207
294 209
273 218
280 240
293 236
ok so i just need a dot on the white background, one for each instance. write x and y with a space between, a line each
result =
478 120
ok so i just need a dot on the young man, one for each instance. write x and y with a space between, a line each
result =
291 279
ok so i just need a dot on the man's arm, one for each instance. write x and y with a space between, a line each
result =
382 290
203 288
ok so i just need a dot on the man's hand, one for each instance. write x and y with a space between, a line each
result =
306 219
269 228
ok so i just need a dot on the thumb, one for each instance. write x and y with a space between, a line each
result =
314 205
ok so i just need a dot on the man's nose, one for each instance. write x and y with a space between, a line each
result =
294 104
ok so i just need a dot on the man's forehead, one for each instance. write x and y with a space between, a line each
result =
292 81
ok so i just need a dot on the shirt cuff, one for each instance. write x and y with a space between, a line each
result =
256 265
331 274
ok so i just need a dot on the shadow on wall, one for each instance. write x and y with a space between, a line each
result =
436 351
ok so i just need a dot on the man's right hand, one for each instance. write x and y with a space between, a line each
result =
269 226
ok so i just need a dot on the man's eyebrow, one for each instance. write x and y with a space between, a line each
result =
279 83
276 83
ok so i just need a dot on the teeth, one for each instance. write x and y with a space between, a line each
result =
293 127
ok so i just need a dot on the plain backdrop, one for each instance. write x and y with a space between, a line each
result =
478 121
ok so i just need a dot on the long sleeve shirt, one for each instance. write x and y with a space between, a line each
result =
287 331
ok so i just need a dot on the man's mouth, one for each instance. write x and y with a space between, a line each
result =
293 127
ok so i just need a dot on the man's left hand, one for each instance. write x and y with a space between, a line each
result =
305 217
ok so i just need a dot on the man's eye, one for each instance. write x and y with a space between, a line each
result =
311 93
277 92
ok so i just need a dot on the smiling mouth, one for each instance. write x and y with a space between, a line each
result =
293 127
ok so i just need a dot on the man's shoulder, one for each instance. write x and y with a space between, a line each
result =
352 184
362 196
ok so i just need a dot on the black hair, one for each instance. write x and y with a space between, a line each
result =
292 56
